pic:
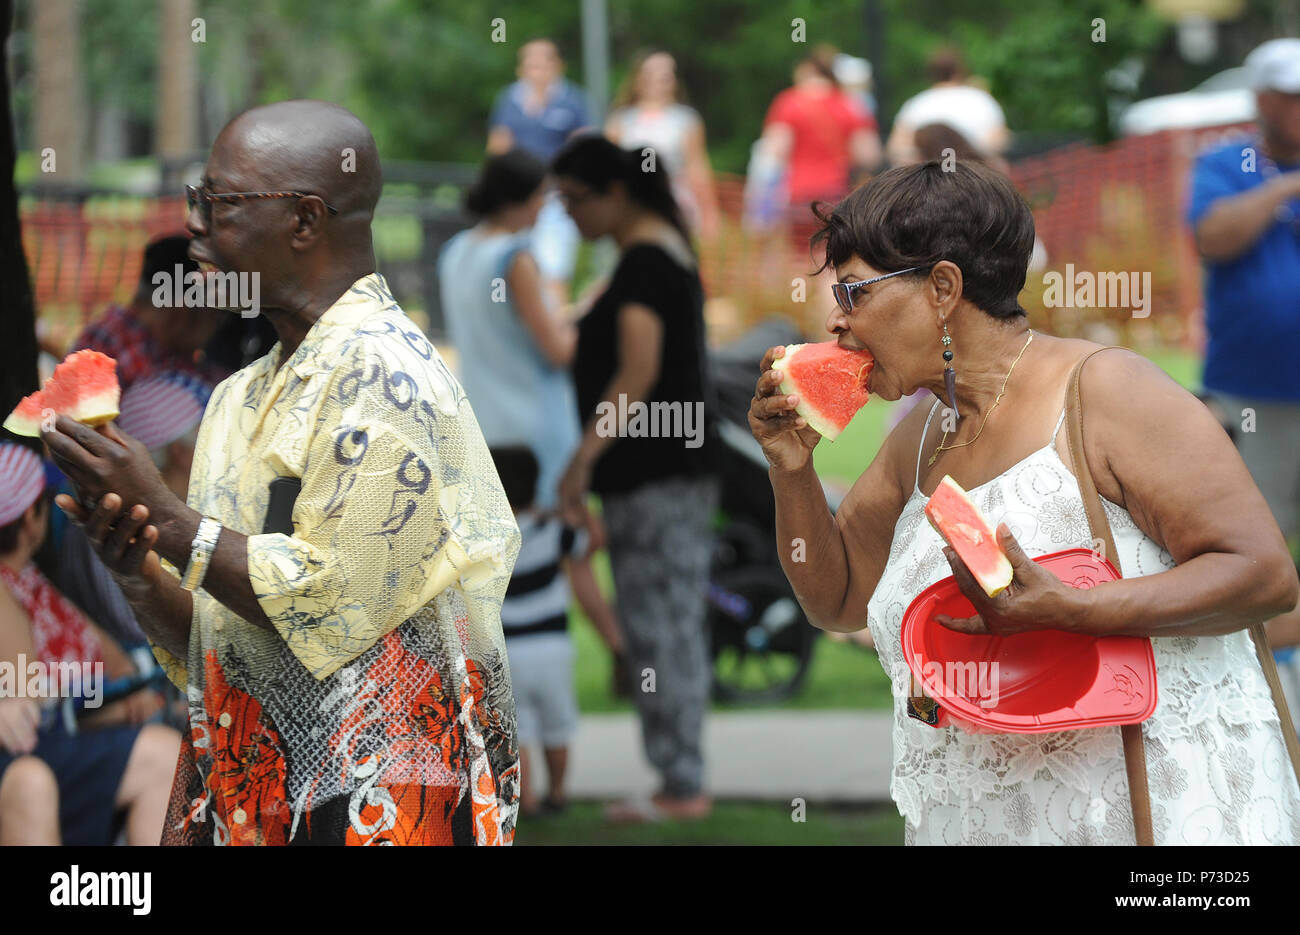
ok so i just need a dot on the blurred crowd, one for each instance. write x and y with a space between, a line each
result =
532 356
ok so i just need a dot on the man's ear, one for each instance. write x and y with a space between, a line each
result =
309 221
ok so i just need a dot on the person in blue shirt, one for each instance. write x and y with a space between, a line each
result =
1245 213
537 114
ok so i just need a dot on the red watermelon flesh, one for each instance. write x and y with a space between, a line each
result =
830 381
84 387
964 527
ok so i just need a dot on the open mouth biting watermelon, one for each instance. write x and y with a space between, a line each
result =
830 381
964 527
84 387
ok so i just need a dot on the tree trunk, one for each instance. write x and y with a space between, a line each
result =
176 113
17 313
60 103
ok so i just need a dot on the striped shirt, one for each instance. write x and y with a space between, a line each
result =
537 600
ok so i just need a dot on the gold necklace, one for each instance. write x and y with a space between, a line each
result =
934 457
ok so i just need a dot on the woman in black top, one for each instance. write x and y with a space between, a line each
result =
646 448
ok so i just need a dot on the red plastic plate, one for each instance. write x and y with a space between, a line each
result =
1047 680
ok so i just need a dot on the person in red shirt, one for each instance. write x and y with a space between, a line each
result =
822 136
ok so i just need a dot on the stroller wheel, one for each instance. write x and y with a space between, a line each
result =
760 642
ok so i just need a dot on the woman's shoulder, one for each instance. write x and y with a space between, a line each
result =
684 113
1111 371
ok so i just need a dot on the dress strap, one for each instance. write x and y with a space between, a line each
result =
920 448
1056 431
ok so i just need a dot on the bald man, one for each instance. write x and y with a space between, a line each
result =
346 543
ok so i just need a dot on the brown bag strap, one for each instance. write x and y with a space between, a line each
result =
1269 665
1135 762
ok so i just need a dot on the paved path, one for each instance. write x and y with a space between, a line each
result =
823 756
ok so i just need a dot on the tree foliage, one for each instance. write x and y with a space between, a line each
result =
424 73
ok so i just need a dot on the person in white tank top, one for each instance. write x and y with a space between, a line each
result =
931 264
649 113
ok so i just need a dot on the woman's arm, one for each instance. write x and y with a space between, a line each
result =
640 346
117 664
699 174
614 128
901 145
556 339
833 563
864 149
640 349
1157 451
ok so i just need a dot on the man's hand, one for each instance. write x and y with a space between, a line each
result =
123 540
19 718
109 461
124 543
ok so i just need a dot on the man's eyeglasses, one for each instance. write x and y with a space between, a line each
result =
845 291
204 199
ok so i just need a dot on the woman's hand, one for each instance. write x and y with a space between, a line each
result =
1035 600
786 438
574 485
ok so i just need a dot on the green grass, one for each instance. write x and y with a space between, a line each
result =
741 823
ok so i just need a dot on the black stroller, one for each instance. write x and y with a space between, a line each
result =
761 642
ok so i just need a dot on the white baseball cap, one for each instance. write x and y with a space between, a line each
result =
1275 66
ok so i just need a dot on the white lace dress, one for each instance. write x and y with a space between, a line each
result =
1216 761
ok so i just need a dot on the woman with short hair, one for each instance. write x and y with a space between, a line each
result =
930 265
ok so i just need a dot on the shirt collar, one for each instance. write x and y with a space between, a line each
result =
321 343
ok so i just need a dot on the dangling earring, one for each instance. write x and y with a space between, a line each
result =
949 375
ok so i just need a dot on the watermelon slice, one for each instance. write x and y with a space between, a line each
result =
964 527
84 387
830 381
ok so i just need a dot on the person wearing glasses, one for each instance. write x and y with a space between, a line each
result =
329 594
641 350
930 265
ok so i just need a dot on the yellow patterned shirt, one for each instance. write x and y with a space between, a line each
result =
379 709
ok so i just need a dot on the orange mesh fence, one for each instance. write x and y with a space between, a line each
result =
83 257
1099 209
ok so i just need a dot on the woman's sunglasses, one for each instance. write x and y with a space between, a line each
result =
845 292
204 199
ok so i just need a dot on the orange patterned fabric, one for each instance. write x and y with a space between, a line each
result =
377 707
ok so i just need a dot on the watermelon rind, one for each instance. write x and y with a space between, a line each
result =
83 387
26 417
994 580
813 416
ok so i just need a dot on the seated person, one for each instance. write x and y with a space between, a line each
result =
61 781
